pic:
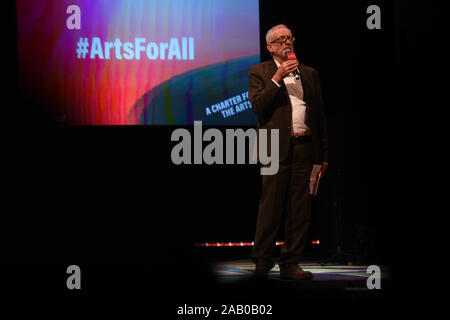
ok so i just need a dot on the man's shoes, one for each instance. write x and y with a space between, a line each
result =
262 268
294 272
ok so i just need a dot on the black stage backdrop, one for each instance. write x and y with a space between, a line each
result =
110 200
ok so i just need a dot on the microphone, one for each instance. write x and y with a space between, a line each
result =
291 56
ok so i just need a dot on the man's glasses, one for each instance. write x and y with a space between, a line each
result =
283 40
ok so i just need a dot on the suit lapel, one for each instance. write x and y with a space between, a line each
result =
305 84
272 68
307 93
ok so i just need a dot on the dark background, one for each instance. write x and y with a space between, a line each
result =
110 200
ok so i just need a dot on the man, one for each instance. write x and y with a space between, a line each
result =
294 107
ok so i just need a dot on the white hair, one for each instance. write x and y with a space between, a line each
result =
269 34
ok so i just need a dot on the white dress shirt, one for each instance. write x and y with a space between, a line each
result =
295 91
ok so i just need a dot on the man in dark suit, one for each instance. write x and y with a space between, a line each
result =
293 105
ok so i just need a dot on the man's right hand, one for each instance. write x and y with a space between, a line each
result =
285 69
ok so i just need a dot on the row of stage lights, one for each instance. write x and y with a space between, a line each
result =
240 244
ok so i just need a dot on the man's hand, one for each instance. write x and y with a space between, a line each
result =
285 69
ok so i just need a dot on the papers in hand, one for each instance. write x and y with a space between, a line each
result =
314 180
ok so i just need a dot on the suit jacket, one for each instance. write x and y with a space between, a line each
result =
274 109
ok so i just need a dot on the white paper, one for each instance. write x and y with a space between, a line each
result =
314 180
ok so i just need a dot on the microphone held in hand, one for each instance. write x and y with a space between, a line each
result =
291 56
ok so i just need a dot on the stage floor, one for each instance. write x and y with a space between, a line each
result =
330 275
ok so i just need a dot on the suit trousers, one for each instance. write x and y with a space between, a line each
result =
285 192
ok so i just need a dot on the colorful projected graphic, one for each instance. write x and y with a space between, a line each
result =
120 62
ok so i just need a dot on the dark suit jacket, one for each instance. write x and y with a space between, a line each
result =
274 109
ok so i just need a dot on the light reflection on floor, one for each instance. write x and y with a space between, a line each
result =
240 269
